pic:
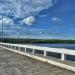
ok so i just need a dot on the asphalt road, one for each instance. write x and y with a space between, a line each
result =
16 64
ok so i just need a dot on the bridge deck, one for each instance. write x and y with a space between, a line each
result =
15 64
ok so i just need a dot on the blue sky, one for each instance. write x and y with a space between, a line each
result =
47 19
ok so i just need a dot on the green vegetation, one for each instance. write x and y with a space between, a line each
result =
40 41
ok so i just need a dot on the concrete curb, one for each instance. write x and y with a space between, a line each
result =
58 64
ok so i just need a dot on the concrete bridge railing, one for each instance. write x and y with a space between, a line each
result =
43 50
35 52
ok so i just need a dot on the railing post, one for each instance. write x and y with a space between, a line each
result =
25 49
33 51
62 56
11 46
1 44
19 48
44 53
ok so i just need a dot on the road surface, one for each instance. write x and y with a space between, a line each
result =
15 64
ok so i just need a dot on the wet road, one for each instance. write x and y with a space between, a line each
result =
16 64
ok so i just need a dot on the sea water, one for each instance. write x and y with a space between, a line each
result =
58 55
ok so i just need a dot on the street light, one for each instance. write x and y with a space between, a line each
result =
2 30
2 23
1 26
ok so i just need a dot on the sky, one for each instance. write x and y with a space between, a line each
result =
38 19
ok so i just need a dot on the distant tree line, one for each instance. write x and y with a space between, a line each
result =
31 41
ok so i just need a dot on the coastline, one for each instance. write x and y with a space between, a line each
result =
37 41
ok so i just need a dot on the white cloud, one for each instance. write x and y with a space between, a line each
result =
6 21
57 20
24 8
43 15
29 20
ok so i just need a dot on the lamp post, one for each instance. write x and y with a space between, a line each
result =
2 29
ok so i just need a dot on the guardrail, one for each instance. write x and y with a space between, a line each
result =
40 50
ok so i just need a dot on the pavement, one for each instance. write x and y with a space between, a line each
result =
15 64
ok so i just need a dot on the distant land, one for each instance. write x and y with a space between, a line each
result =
36 41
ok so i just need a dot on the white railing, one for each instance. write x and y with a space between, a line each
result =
44 50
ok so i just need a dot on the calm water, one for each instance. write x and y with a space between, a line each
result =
67 46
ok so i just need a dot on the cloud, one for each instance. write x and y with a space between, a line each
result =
24 8
6 21
29 20
57 20
7 7
55 1
43 15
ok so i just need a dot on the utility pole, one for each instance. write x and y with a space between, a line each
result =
2 30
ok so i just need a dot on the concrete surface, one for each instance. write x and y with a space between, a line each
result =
16 64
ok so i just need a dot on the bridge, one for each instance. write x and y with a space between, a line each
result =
18 59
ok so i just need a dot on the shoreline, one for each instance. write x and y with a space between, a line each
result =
37 41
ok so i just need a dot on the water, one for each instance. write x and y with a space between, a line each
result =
67 46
